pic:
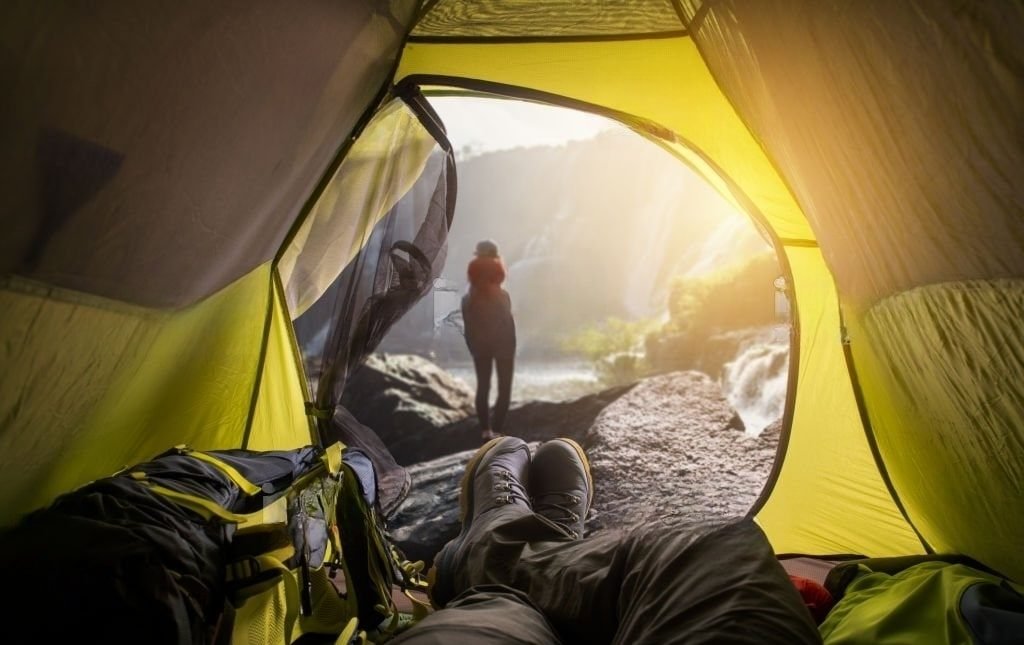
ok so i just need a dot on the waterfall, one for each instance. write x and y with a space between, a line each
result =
755 382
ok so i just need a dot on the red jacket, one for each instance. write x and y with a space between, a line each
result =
487 309
486 275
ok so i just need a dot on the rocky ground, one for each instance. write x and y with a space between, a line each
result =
673 449
666 449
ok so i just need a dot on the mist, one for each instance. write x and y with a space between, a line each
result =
589 230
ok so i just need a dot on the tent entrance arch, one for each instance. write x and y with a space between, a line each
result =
705 166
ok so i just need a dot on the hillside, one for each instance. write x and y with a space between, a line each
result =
591 229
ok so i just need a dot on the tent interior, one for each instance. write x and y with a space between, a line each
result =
184 181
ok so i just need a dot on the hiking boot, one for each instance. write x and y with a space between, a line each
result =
562 485
495 477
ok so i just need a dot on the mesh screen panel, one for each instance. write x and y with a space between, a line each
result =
400 253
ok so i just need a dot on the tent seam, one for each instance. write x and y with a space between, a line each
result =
529 40
260 364
348 141
300 366
869 434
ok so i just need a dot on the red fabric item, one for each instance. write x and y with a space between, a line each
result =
486 273
817 598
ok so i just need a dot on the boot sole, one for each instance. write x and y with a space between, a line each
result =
586 469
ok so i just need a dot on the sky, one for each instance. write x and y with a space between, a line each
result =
481 125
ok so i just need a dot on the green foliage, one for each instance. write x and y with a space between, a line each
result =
613 336
731 298
613 347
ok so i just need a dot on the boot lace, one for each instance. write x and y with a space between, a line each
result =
560 508
509 488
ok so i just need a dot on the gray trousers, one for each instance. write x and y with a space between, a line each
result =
520 580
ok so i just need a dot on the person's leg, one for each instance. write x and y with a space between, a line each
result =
482 364
494 543
654 585
724 585
489 614
497 521
506 368
657 583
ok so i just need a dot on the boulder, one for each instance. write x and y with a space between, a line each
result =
532 421
663 450
429 515
402 395
669 451
771 433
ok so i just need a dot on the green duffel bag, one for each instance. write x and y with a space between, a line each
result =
928 603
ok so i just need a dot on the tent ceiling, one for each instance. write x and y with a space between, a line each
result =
899 131
155 154
525 19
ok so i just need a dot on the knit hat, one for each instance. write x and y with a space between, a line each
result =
487 248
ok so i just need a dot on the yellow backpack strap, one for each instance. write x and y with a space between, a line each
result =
204 507
412 572
332 457
232 473
412 580
420 608
330 461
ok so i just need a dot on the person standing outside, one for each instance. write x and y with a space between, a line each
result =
490 334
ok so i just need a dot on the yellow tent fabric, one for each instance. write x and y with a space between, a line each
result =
829 496
942 374
159 158
137 382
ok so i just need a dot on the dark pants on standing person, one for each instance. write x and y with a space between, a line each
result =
519 579
491 339
484 362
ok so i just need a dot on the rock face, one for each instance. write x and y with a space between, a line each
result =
668 451
402 395
429 515
661 451
532 421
